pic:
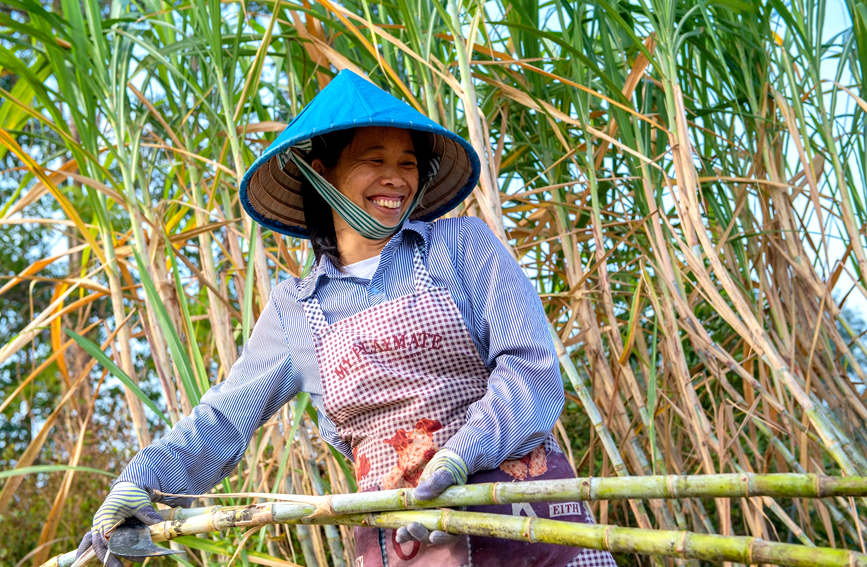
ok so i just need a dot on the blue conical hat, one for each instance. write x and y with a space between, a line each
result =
271 188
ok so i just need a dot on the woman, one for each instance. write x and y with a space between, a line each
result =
423 346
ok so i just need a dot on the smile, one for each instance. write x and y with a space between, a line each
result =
387 203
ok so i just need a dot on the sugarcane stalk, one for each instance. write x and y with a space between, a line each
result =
673 543
730 485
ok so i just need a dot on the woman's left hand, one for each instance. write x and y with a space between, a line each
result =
445 469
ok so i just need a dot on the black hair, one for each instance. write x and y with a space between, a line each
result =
317 213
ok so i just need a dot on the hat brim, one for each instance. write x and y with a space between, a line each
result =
273 189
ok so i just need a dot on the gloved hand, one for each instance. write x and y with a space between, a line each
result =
444 469
126 500
416 531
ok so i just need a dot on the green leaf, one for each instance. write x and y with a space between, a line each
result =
36 469
247 310
176 347
201 372
93 350
226 550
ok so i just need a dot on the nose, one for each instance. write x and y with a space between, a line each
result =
391 175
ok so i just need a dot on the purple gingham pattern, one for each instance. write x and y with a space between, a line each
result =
592 558
388 366
372 388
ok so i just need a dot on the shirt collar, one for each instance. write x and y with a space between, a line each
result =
324 268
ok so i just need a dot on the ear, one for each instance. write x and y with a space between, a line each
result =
318 166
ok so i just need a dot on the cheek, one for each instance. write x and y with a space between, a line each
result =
346 182
411 179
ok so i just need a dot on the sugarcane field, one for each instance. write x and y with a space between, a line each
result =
520 283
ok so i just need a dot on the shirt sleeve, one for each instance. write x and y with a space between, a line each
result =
204 447
525 391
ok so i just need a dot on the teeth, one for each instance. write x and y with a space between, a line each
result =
387 203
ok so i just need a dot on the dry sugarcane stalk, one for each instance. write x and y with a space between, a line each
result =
631 540
582 389
307 509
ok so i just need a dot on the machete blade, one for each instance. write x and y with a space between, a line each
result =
134 542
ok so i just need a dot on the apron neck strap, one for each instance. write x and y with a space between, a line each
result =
420 276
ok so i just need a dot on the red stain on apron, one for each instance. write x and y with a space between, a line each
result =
414 449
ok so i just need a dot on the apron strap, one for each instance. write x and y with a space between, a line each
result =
420 276
422 281
315 316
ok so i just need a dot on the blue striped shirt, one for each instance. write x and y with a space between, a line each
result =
496 300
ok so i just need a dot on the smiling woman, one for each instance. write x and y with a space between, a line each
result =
423 346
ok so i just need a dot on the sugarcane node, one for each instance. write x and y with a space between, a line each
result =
606 537
586 489
495 492
749 549
670 486
443 522
167 529
747 480
820 482
325 509
405 497
680 545
527 530
245 515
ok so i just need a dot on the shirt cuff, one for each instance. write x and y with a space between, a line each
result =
468 444
138 473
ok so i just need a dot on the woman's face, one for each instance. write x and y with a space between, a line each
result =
377 171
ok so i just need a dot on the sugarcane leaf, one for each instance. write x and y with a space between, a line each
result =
247 310
228 550
299 409
193 349
37 469
182 361
633 322
93 350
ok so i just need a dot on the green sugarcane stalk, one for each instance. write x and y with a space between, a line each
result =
731 485
672 543
336 508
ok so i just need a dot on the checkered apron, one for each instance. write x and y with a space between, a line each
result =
397 379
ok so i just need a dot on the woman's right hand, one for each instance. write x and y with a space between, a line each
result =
126 500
